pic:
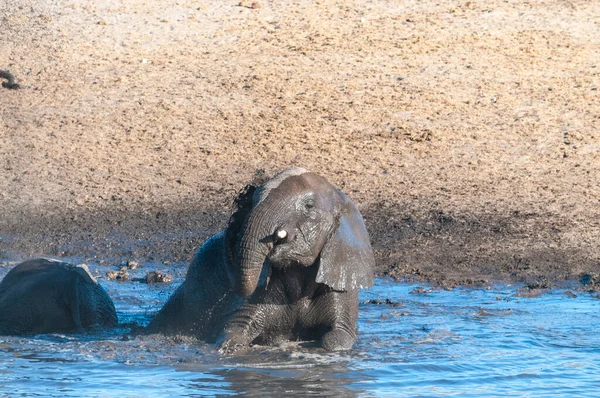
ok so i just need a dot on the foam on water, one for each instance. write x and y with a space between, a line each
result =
413 341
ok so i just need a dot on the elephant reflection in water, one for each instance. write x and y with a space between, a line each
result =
288 267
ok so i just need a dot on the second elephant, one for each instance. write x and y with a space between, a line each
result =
288 267
49 296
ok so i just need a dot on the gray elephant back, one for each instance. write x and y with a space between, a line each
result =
46 296
204 302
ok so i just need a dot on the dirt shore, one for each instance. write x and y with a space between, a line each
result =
467 132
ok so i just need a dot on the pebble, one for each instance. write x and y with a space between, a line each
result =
122 275
387 301
158 277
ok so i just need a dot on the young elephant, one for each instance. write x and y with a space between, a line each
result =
204 302
298 249
48 296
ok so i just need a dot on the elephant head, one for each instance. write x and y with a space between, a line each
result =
297 219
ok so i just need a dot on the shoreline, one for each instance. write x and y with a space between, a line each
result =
439 249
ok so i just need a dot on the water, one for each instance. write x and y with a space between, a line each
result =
424 342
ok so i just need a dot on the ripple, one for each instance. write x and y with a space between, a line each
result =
459 342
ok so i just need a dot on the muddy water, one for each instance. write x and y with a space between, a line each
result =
413 341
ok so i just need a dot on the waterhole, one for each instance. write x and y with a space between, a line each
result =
414 340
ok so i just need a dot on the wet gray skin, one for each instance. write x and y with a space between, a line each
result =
50 296
287 268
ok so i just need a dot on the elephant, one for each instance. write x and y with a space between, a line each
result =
42 296
287 268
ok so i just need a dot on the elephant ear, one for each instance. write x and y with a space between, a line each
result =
85 273
347 260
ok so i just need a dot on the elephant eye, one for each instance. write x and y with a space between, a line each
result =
310 203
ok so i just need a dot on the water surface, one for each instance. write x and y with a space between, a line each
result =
414 341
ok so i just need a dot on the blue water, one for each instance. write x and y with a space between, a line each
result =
424 342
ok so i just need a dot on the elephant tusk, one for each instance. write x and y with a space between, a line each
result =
281 234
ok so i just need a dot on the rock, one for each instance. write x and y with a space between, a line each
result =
421 290
122 275
158 277
386 302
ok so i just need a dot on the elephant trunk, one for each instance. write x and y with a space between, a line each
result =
251 254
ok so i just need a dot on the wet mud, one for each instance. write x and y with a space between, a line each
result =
468 134
438 248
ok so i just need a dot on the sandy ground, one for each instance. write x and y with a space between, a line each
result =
468 132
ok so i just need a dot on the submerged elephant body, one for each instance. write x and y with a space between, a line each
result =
288 267
204 302
47 296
